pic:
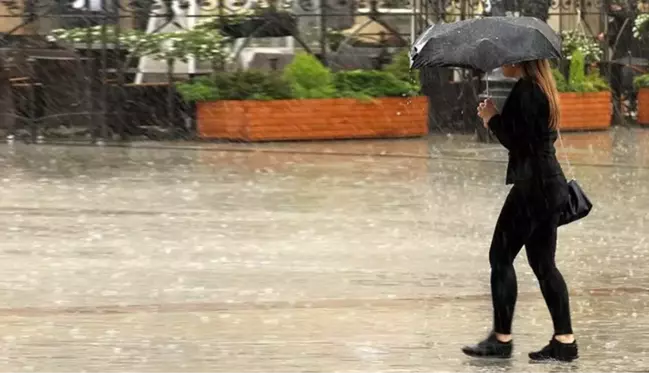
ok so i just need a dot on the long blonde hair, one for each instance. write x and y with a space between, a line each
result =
541 72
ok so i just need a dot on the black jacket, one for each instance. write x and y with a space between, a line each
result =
523 128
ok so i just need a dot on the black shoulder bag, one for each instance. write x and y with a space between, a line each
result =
578 205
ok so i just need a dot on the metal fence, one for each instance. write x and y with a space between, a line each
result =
95 92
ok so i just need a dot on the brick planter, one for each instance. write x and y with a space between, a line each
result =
643 106
585 111
317 119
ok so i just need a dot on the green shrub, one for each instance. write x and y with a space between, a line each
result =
641 81
562 83
371 83
578 80
304 78
308 78
201 89
400 68
252 85
595 83
240 85
576 76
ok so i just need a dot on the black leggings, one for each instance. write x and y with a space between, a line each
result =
523 222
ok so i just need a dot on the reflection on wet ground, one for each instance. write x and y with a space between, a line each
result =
345 256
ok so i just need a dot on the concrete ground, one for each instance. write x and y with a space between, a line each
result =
345 256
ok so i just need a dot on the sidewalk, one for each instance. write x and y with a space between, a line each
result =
200 259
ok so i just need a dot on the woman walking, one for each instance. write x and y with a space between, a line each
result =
527 128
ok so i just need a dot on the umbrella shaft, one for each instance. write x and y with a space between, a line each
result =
487 79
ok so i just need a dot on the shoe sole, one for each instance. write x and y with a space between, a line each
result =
487 357
552 361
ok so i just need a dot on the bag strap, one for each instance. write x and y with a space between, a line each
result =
565 155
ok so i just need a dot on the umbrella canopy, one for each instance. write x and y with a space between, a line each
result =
485 43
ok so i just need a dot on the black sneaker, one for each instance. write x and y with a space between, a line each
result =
556 351
490 347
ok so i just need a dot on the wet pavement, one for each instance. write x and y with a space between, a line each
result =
345 256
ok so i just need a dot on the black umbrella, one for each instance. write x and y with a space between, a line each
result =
485 43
